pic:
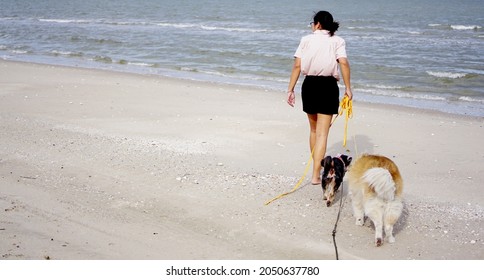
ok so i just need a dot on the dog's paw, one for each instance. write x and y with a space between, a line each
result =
359 222
391 239
378 242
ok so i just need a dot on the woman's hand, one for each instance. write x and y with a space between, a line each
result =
349 93
291 98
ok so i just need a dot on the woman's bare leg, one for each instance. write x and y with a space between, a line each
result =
318 137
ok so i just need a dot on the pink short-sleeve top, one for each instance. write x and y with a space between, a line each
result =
319 53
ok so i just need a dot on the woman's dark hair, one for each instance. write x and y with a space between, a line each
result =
327 22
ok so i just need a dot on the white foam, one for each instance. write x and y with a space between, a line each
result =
386 87
212 28
63 20
232 29
471 99
465 27
449 75
177 25
56 52
141 64
403 95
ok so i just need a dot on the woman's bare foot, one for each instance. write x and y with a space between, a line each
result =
316 181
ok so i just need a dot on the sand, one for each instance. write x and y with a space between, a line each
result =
98 165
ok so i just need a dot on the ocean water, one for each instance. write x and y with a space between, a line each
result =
425 54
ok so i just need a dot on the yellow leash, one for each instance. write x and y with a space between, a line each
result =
298 183
346 104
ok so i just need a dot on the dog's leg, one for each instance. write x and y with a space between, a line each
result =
358 210
378 231
389 233
392 213
374 210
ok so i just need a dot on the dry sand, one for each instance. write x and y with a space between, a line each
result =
105 165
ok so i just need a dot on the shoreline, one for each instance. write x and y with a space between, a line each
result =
97 164
264 88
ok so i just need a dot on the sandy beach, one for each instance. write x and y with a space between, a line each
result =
107 165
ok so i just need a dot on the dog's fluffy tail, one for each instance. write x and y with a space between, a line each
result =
381 181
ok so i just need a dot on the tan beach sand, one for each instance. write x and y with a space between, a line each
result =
105 165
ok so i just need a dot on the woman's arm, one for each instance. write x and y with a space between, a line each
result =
346 72
296 71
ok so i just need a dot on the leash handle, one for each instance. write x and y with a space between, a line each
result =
346 104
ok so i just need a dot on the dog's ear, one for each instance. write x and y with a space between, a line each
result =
349 159
339 170
346 159
327 164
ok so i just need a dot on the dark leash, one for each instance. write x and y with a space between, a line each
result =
337 220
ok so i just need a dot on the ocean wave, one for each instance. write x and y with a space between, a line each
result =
471 99
465 27
108 41
163 24
455 26
94 21
126 22
234 76
19 51
104 41
142 64
367 28
64 20
448 75
231 29
177 25
188 69
66 53
399 94
7 18
102 58
212 28
385 87
15 50
144 23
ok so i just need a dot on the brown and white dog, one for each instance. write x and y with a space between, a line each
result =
376 192
334 169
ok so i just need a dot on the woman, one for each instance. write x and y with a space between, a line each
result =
317 57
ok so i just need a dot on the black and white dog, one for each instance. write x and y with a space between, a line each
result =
334 169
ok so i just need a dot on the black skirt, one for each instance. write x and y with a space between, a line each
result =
320 95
